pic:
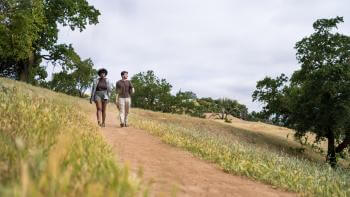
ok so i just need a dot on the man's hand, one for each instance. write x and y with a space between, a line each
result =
117 103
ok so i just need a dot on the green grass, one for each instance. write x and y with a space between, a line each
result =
236 152
48 147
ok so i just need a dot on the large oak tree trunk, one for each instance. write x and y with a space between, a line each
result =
331 158
23 72
25 68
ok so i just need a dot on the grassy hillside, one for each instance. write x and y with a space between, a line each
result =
279 138
48 147
248 153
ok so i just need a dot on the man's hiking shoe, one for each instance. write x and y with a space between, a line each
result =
122 125
125 125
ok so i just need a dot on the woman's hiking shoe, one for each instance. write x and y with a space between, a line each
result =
103 125
124 125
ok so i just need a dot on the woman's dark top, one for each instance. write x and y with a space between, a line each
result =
102 85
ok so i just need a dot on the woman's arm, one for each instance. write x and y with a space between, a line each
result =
93 90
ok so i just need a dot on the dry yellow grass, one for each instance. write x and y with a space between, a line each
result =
48 147
280 135
255 154
268 129
259 151
259 134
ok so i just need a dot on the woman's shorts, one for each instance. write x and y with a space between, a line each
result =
101 96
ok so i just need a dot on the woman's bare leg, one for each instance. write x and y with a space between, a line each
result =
98 111
104 107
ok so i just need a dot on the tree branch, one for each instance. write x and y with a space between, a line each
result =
46 57
344 144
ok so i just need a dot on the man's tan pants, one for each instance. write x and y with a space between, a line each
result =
124 106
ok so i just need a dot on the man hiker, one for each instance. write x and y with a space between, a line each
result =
124 89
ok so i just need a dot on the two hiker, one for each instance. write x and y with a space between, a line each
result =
101 90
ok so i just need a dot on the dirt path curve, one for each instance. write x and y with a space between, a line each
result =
173 170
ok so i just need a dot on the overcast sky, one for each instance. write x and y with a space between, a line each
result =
215 48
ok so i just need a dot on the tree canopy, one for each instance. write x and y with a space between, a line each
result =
29 33
154 93
317 96
151 92
76 80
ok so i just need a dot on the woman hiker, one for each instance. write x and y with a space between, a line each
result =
101 90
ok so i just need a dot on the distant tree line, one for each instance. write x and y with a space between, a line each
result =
154 94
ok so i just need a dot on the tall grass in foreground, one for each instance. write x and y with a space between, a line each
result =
240 158
48 147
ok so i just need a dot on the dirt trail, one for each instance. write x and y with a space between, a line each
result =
172 170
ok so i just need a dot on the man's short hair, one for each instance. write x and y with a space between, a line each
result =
122 74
